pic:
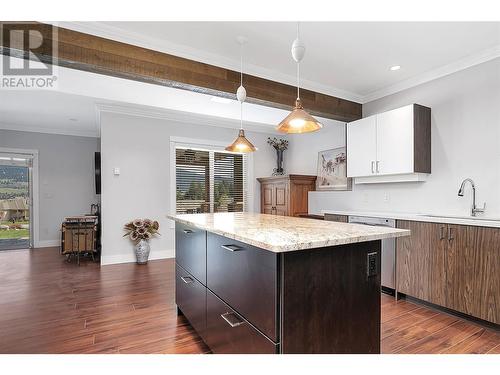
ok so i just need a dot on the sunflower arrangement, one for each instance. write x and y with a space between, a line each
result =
141 229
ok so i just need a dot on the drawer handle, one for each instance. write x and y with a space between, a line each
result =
232 319
187 279
441 233
232 247
187 231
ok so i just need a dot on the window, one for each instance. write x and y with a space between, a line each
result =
209 181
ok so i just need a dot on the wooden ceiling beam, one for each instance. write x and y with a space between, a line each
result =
95 54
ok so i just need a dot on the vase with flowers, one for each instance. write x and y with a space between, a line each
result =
280 145
140 231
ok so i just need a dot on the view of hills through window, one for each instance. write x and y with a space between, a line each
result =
14 207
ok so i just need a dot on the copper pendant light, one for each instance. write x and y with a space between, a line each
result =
298 121
241 143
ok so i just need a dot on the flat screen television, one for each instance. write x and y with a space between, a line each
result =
97 169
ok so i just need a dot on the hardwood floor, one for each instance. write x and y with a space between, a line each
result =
50 306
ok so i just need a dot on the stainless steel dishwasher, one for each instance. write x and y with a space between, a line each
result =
388 256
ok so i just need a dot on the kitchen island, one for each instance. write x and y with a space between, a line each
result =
255 283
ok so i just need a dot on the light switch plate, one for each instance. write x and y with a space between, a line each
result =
116 171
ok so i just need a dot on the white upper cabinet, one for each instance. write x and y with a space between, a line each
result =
391 146
361 146
395 141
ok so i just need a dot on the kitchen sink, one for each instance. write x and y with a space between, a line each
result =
461 217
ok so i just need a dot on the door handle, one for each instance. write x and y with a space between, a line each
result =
232 319
376 166
373 166
187 231
187 279
232 248
441 233
450 234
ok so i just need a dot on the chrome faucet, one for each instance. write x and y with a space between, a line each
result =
474 210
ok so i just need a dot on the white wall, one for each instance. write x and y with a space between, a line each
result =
66 177
465 143
139 146
302 154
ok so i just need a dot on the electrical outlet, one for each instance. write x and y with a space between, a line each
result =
371 264
387 197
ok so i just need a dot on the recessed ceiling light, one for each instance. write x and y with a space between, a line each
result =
218 99
395 67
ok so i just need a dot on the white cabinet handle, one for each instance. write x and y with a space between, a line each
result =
376 164
373 164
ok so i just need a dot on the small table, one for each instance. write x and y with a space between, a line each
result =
79 236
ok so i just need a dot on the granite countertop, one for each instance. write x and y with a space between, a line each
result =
481 221
283 233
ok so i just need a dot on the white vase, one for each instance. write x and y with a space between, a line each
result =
142 250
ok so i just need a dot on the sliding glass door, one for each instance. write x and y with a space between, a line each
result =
15 201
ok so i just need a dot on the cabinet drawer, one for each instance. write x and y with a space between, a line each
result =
245 277
228 333
191 250
190 297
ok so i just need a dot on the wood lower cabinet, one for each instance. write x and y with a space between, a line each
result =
286 195
454 266
438 253
190 297
246 277
413 260
227 332
473 271
190 250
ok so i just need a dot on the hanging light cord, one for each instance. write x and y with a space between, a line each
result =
241 84
298 64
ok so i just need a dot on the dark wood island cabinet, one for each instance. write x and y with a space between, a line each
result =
244 298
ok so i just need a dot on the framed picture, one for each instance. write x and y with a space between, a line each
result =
332 170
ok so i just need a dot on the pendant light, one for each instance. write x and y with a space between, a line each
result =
241 143
298 121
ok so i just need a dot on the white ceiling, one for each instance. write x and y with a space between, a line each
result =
48 112
347 59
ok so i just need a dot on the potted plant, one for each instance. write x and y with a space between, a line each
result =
280 145
140 231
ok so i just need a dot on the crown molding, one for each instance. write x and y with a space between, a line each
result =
48 130
181 117
468 62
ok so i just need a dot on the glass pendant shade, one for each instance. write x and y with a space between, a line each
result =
241 144
299 121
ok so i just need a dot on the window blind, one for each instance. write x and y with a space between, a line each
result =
228 182
210 181
192 173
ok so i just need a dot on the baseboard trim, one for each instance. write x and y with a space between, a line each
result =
449 311
130 257
49 243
